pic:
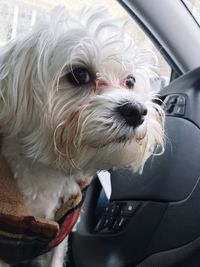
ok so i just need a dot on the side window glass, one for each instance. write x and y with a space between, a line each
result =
19 15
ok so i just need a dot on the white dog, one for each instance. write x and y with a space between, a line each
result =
75 98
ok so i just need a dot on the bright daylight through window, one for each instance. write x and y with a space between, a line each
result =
194 7
18 16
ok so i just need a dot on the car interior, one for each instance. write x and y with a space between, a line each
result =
152 218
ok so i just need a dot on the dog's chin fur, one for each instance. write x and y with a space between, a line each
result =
56 133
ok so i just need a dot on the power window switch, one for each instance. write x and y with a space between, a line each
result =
181 100
108 223
169 108
114 209
100 224
120 223
172 100
180 110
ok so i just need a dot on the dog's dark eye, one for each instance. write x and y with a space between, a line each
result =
79 76
130 81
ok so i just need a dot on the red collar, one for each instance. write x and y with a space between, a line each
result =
28 236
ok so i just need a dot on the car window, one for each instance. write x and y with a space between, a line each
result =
17 16
194 7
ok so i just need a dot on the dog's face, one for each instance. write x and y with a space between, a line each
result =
80 95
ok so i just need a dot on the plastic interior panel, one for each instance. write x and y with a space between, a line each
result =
167 177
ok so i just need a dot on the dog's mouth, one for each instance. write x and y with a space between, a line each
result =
123 139
141 131
138 134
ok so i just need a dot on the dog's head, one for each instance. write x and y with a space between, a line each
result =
76 93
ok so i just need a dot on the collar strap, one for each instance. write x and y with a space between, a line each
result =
28 236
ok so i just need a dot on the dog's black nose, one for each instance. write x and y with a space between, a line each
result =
133 113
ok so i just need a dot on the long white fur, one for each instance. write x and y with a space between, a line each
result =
54 134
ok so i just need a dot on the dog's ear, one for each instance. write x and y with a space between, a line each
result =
24 78
29 68
17 73
146 68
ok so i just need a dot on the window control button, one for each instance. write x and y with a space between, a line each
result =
180 110
114 209
120 223
181 100
116 216
129 208
175 104
169 108
107 219
108 223
172 100
100 224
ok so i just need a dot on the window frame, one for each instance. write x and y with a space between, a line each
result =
175 54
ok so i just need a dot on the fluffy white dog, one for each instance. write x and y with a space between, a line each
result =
75 98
